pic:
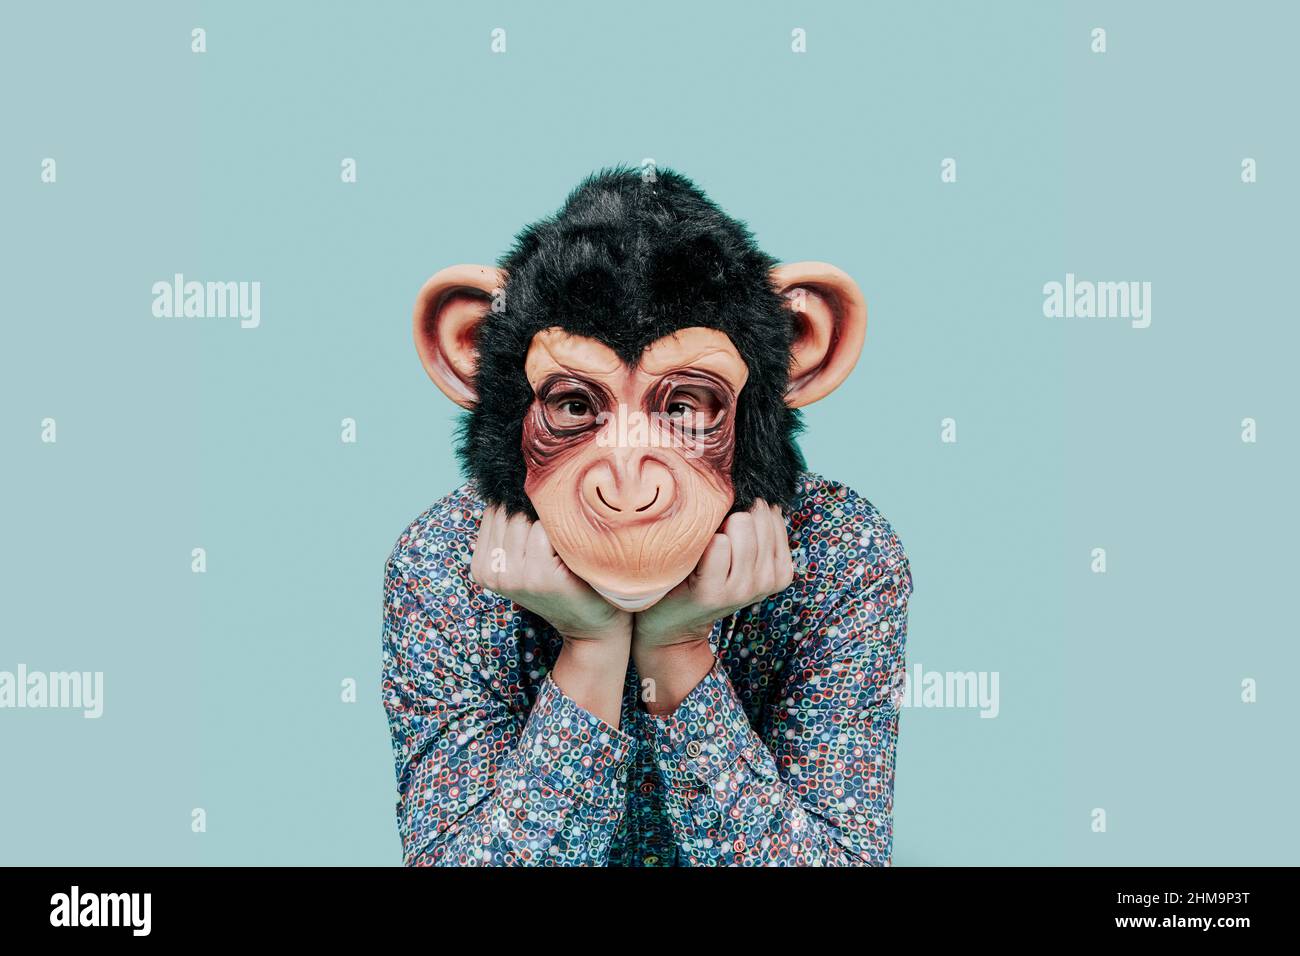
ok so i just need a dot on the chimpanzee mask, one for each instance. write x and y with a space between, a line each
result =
632 370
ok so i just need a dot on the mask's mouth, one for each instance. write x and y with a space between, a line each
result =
631 602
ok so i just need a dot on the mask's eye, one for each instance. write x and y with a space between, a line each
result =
693 407
570 410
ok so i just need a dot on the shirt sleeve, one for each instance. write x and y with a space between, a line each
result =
813 785
479 781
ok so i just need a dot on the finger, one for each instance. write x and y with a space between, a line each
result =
484 529
540 559
542 556
481 563
763 535
498 531
513 538
537 548
739 529
484 537
710 575
780 534
784 557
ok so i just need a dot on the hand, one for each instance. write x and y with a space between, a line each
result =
745 562
514 558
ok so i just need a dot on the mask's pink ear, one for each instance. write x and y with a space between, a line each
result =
448 311
830 318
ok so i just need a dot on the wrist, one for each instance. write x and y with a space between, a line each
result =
617 629
646 639
600 655
669 672
591 672
668 649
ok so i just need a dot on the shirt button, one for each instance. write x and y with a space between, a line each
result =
693 749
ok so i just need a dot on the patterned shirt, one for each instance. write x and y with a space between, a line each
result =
782 755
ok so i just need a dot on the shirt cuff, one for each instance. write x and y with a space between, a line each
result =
573 750
706 736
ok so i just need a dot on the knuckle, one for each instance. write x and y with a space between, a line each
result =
738 521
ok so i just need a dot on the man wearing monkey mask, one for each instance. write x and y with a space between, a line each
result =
642 634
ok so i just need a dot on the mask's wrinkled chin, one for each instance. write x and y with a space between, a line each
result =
628 602
631 565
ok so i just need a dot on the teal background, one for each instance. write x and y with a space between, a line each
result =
1119 691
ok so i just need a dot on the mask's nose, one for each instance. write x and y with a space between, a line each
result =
629 486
